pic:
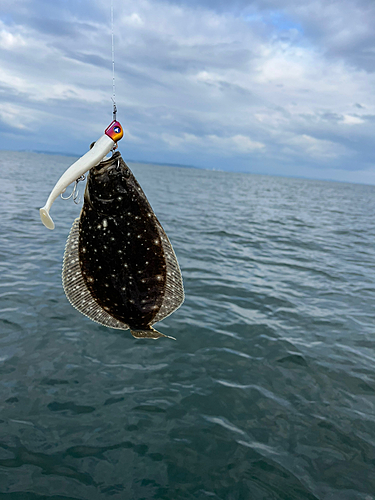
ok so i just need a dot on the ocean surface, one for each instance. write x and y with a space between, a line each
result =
268 393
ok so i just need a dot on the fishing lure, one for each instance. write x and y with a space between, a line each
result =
119 268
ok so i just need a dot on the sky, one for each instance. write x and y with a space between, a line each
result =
278 87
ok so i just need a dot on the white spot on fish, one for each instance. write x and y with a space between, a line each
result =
105 223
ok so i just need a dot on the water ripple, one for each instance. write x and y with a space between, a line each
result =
269 391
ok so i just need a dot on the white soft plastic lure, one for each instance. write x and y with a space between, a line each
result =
101 148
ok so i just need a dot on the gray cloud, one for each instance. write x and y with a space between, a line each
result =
341 28
276 87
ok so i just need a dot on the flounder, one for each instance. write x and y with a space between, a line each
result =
119 268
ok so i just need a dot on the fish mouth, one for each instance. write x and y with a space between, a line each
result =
107 163
106 181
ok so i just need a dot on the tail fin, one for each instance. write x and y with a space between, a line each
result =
148 333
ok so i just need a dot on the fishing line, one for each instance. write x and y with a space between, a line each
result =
113 68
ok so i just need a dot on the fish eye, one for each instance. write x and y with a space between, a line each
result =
112 172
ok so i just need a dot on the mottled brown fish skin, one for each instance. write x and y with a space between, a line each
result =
121 256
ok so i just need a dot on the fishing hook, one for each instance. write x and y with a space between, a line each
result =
75 193
118 166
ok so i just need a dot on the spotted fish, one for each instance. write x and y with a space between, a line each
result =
119 267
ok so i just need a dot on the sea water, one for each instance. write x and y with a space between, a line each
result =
268 391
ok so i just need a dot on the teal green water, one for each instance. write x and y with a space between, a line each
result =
269 390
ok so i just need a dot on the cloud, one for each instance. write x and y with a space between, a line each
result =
8 41
9 114
317 148
245 144
352 120
226 145
268 86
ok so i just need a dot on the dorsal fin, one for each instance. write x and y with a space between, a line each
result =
174 289
75 287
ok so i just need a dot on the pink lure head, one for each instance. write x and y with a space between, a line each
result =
114 131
